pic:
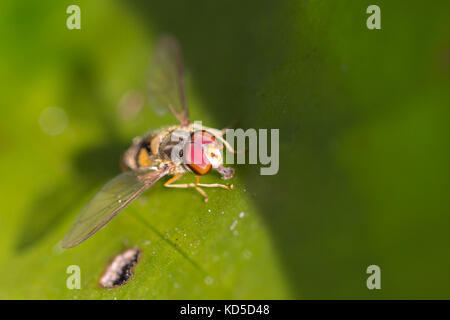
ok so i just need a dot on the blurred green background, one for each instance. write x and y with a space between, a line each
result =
364 161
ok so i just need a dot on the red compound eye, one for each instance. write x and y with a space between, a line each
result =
202 137
196 159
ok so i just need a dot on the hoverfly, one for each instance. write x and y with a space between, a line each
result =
150 157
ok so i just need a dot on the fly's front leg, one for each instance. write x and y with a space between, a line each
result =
213 185
196 185
185 185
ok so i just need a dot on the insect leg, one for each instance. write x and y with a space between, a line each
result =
203 193
180 116
213 185
171 180
219 135
185 185
227 145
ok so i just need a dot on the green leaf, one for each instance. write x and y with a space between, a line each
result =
363 173
190 249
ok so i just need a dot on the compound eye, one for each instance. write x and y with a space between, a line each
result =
202 137
196 159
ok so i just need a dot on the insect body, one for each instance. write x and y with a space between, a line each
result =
173 151
199 149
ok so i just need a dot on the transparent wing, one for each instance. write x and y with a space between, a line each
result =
107 203
166 80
